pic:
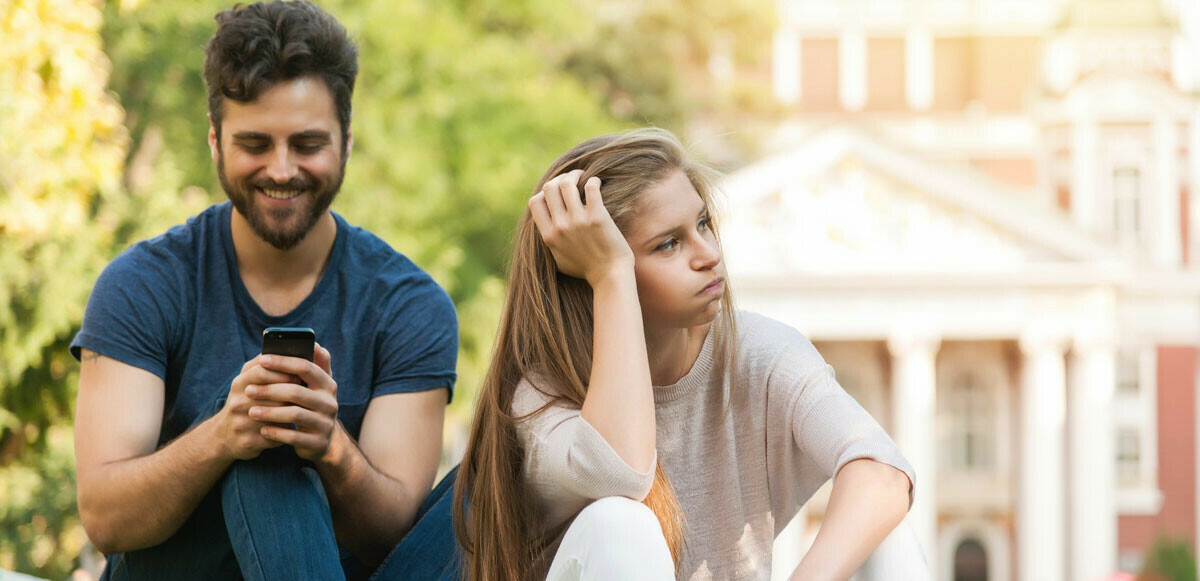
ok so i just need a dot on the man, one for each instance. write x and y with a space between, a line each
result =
197 456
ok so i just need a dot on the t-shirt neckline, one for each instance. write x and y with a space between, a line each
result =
243 295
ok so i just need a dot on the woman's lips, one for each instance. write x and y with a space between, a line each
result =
713 287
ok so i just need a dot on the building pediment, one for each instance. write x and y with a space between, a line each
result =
846 202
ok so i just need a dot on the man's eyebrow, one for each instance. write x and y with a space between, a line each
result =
311 134
256 136
674 229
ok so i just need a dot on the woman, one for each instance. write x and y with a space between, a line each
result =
632 424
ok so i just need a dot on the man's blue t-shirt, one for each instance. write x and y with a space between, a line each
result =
176 306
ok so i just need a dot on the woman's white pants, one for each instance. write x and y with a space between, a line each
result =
613 538
620 538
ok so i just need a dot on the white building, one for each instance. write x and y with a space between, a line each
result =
982 213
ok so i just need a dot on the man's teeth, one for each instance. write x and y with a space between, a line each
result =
281 194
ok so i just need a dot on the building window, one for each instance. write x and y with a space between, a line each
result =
1127 204
971 434
1129 458
970 561
1128 372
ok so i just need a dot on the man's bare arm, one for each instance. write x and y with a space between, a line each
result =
132 496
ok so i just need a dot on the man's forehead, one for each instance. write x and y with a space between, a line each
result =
290 106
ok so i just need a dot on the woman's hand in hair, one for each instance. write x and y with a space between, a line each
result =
578 230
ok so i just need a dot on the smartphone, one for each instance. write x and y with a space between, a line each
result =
289 341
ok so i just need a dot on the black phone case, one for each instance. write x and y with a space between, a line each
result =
291 342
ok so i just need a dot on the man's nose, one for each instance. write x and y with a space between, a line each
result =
280 167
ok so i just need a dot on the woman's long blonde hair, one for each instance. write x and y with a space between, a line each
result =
546 332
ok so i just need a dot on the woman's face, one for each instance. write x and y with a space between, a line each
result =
680 275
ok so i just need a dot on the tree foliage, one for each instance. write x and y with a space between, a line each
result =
1169 559
63 214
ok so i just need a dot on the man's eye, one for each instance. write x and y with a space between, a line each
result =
308 147
254 147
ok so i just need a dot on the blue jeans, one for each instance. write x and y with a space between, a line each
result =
268 518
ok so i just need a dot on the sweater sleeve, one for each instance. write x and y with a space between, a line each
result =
832 429
813 426
566 460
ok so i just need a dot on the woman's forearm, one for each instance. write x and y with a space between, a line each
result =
620 399
869 499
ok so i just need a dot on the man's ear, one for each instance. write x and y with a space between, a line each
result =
349 143
212 139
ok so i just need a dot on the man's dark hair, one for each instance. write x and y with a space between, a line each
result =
261 44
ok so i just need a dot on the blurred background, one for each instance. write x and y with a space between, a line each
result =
979 210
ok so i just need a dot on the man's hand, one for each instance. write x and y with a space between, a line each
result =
241 435
289 413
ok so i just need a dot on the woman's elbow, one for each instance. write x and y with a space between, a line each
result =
888 484
897 488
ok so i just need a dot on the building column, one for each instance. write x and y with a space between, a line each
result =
1093 500
787 69
914 421
1193 185
852 68
918 56
1165 228
1084 167
1040 531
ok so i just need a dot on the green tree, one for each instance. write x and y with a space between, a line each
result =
63 214
1169 559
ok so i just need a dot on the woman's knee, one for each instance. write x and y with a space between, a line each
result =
619 521
614 538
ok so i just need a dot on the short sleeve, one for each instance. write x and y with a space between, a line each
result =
832 429
813 426
132 311
418 340
567 459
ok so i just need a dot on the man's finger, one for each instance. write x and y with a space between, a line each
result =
297 438
306 370
289 415
290 393
261 376
323 358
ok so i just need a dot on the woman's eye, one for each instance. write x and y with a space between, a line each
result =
670 244
705 223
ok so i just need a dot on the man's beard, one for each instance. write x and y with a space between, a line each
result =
277 226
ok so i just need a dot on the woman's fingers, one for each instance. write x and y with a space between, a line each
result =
554 201
572 196
568 194
541 213
591 193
